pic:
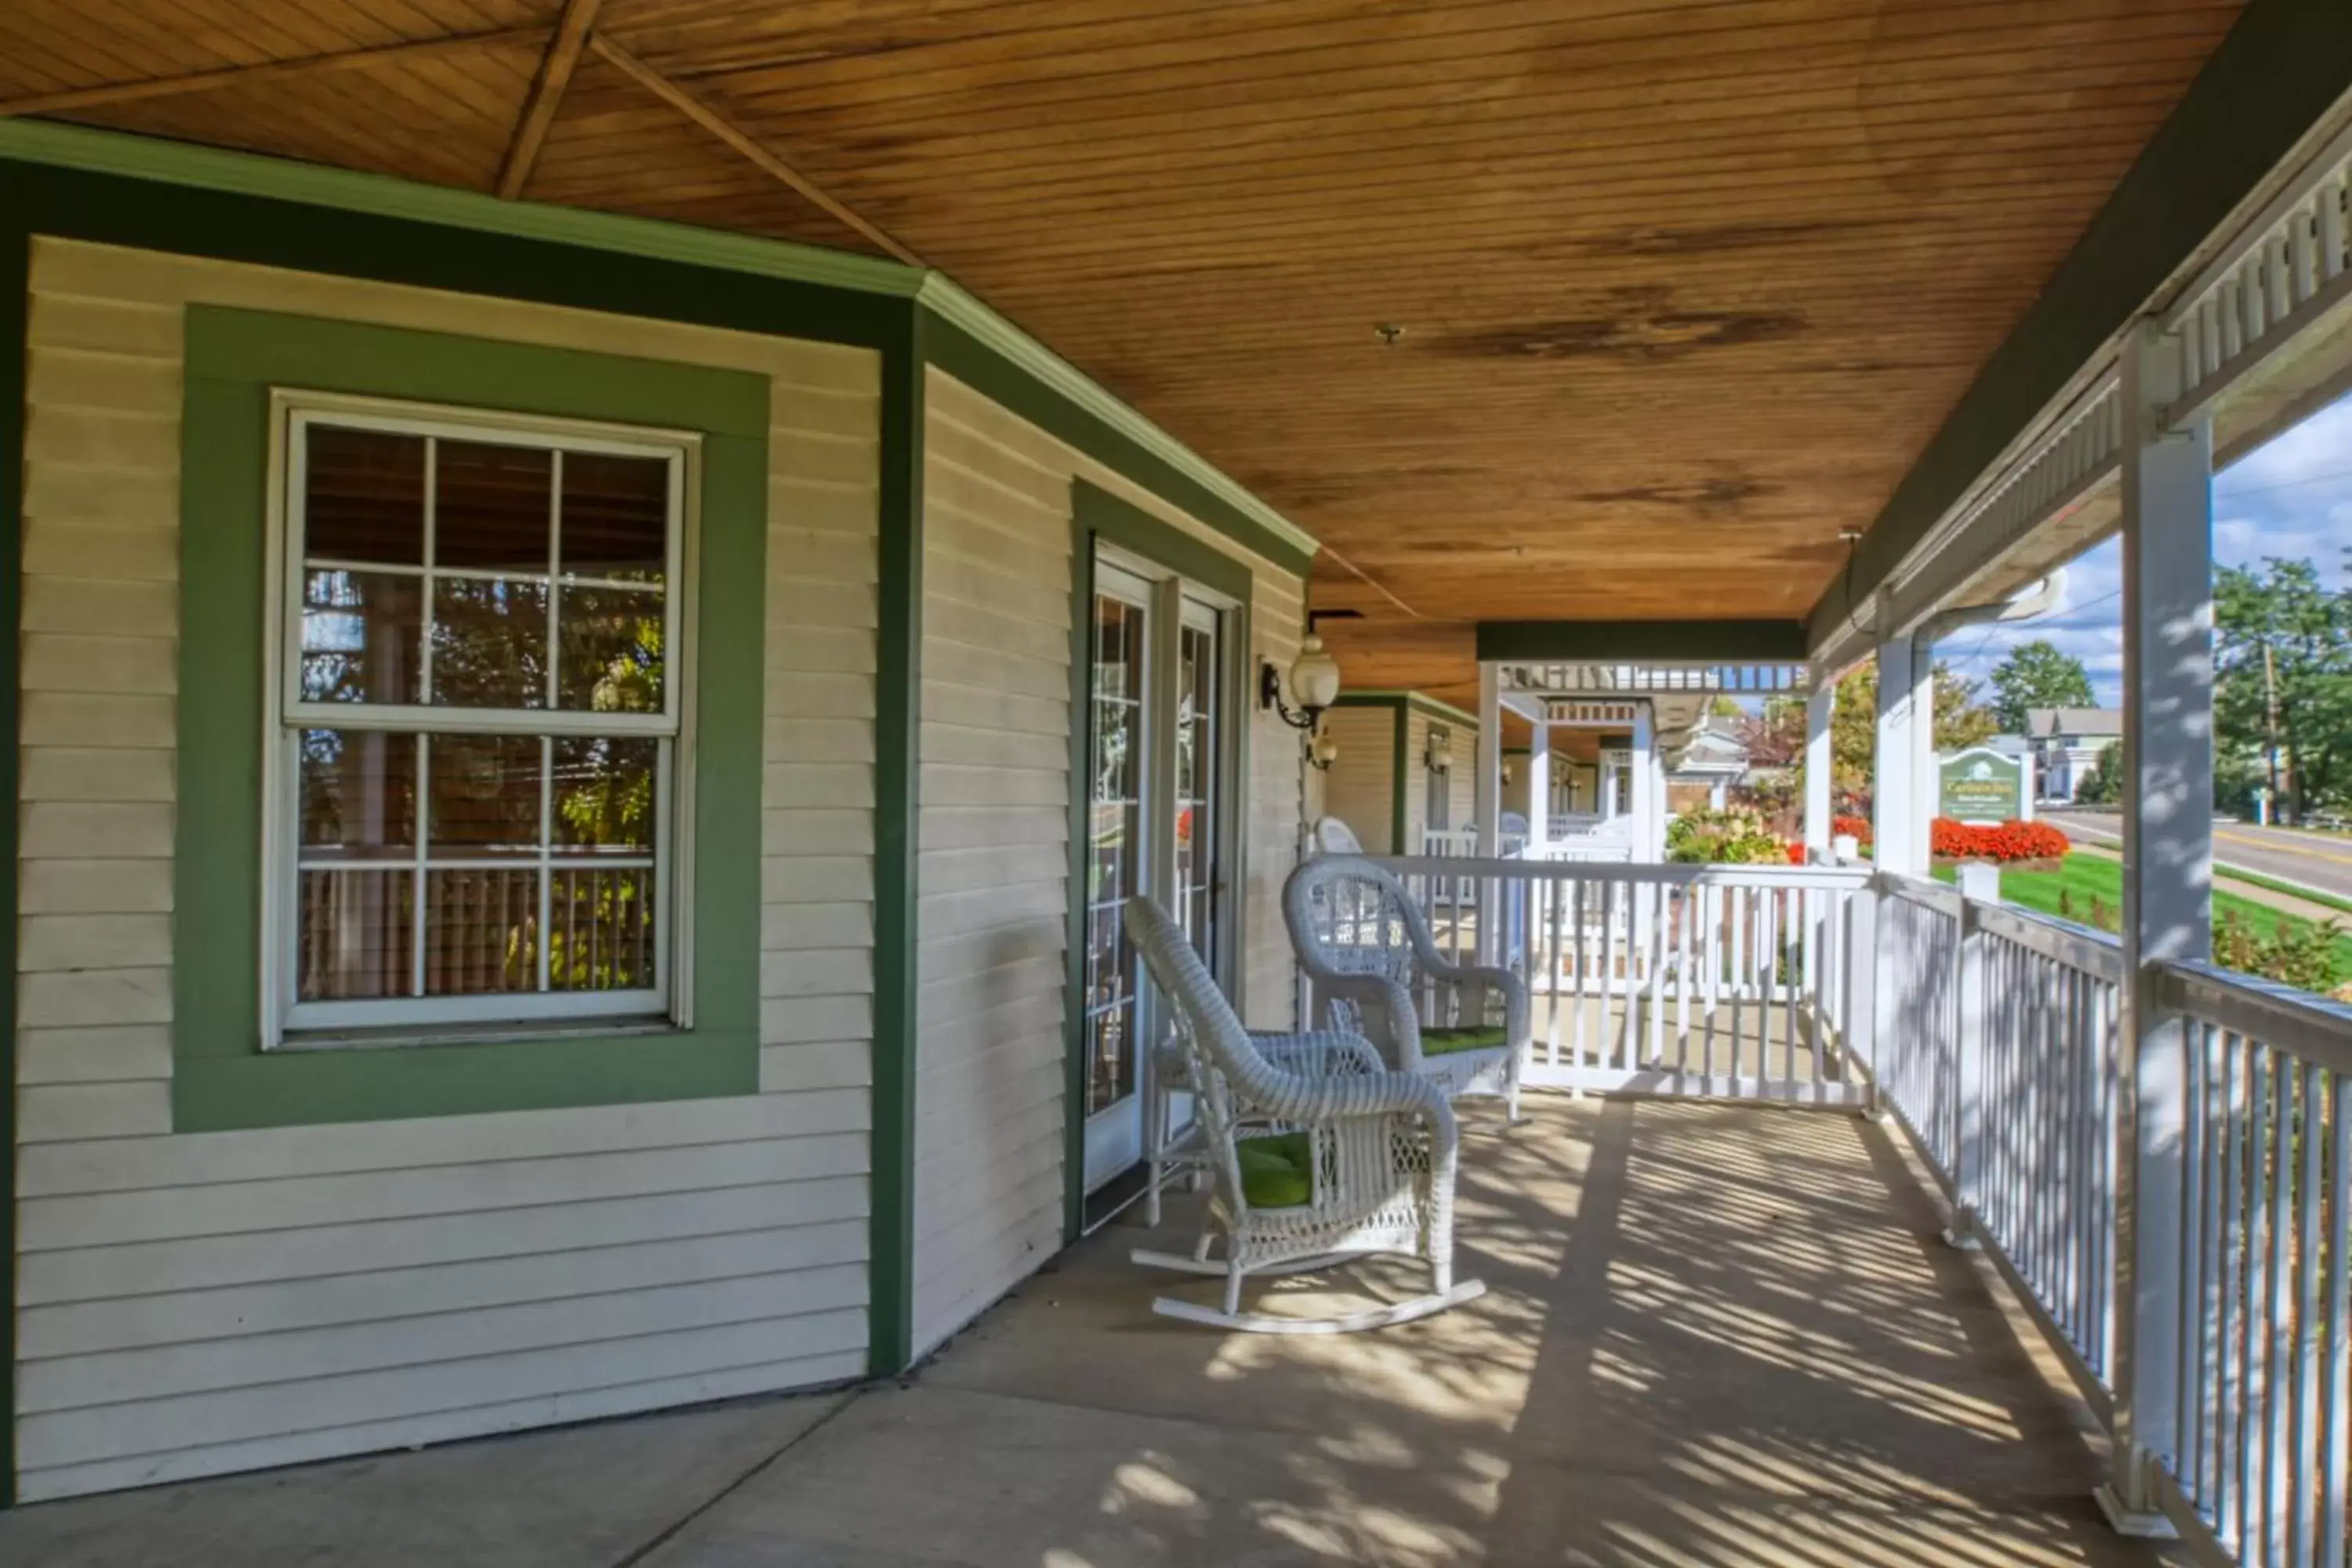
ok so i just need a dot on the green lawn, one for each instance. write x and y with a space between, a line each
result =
2088 876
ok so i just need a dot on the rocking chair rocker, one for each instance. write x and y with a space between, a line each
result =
1319 1153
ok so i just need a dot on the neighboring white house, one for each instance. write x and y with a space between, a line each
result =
1715 760
2067 742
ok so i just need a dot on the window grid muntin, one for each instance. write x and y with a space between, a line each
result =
667 888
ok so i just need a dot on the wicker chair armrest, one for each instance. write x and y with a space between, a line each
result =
1320 1053
1390 1020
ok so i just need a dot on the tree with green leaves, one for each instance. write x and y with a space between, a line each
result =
2037 674
2104 784
2282 687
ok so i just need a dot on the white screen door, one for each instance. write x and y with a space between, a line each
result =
1155 814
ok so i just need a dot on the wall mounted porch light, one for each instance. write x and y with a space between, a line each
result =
1314 684
1322 752
1441 752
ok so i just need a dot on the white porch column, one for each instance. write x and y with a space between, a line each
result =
1649 820
1898 823
1819 811
1490 804
1540 787
2168 799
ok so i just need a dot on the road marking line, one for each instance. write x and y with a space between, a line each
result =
2281 848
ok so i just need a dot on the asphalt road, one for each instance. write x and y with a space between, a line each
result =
2315 860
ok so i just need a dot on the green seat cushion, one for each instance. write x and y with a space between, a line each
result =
1445 1042
1277 1171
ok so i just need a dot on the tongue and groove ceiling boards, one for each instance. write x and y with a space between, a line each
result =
1684 286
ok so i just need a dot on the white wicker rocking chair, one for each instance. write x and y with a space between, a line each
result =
1317 1152
1369 957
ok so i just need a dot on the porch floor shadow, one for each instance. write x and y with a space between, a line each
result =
1714 1336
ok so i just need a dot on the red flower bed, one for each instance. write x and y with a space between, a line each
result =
1855 827
2012 840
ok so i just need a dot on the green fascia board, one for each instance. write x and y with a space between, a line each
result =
385 195
1097 516
899 644
1633 642
1429 706
387 231
1011 369
222 1079
2282 67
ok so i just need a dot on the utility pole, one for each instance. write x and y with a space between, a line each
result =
2271 727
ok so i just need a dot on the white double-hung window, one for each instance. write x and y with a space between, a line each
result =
479 721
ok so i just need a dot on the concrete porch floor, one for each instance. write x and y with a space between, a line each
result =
1714 1336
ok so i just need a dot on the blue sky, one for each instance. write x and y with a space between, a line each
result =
2292 498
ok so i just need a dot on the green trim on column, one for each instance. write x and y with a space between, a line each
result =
15 301
1399 745
1097 516
2282 67
1725 642
221 1078
1087 424
898 674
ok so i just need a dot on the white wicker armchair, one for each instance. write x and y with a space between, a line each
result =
1317 1152
1370 962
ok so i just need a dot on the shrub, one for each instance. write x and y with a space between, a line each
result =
2004 841
1730 837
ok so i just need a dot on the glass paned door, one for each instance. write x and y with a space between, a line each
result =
1199 737
1117 828
1155 815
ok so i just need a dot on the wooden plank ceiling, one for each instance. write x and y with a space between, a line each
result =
1684 285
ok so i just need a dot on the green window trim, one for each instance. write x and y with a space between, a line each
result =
222 1079
1097 516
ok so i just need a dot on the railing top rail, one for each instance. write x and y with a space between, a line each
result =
1838 877
1935 895
2076 946
2297 1022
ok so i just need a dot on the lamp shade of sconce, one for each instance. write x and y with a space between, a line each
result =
1313 683
1510 771
1314 675
1441 752
1322 752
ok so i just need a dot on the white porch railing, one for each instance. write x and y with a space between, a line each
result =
1997 1046
1718 981
1992 1035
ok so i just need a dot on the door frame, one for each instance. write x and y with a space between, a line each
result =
1101 519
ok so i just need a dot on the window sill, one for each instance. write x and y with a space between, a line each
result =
406 1037
401 1074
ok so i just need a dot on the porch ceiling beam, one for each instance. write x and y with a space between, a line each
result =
564 47
2282 67
266 71
686 103
1635 642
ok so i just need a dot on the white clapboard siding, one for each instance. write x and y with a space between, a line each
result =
195 1303
1358 789
991 1113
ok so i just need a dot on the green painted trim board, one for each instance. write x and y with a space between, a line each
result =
221 1077
955 350
15 258
1705 642
898 651
2282 67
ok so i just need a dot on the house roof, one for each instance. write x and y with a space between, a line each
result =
2053 722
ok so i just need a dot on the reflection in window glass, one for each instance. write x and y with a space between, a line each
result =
519 589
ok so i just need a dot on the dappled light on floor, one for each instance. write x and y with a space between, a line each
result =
1714 1336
